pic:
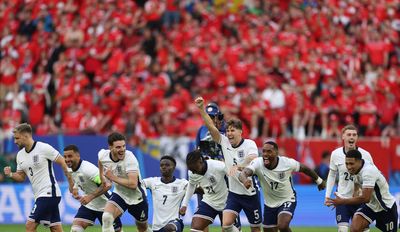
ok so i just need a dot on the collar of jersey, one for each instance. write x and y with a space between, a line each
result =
241 141
33 147
79 165
173 179
112 158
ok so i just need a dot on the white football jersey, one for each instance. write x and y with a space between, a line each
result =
121 168
370 177
38 166
338 164
167 199
277 183
236 156
85 178
213 183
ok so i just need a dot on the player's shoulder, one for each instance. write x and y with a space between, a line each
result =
363 151
338 152
369 168
103 153
249 142
87 165
130 156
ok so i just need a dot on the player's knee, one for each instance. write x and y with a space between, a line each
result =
30 226
107 219
342 228
77 228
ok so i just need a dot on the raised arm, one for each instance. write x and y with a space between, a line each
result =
207 120
18 176
61 161
314 176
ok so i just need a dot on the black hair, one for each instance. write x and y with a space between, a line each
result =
193 156
167 157
115 136
71 147
275 145
354 154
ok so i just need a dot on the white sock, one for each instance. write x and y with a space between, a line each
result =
342 228
77 228
108 221
230 228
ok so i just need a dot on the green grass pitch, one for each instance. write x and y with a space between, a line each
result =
18 228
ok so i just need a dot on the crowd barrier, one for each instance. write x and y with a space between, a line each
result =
16 202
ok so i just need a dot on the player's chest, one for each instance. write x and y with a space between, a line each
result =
277 175
167 189
118 169
33 161
235 156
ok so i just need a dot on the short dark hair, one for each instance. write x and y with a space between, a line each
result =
235 123
275 145
115 136
168 157
23 128
354 154
71 147
193 156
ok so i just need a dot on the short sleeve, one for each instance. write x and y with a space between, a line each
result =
131 164
148 182
252 148
50 153
369 178
293 164
255 164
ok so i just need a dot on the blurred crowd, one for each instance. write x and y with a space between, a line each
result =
298 68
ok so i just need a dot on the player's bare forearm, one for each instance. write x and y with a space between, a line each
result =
208 122
245 174
103 188
130 182
61 161
18 176
309 172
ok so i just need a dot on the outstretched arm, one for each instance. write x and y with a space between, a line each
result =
208 121
189 193
314 176
365 197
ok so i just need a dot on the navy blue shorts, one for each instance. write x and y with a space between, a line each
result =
178 223
344 213
89 216
139 211
385 220
207 212
249 204
271 214
45 211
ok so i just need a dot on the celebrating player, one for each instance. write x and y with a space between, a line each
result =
376 202
210 176
346 180
86 177
275 175
35 160
167 192
122 168
238 153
